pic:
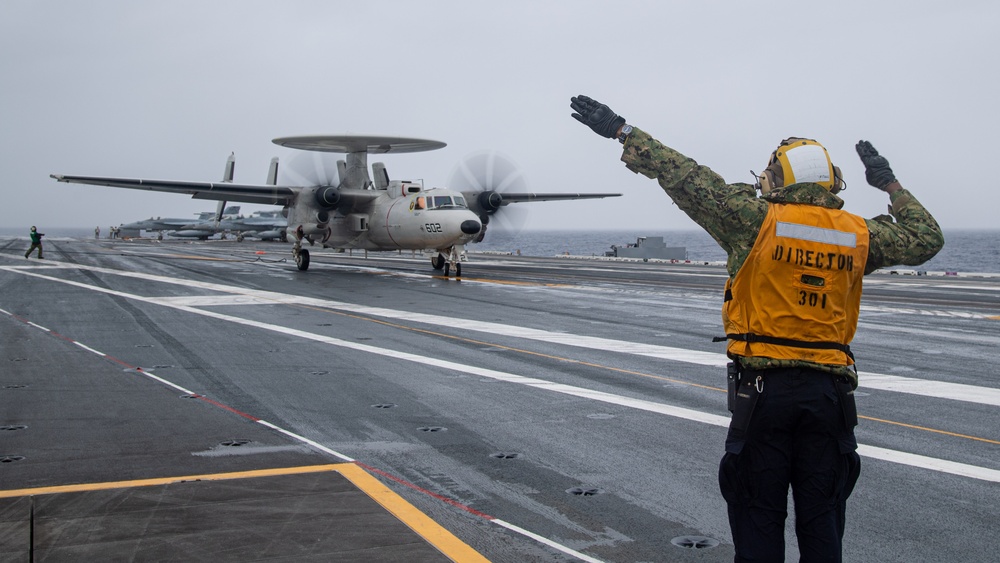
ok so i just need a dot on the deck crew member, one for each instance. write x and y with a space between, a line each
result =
36 242
795 263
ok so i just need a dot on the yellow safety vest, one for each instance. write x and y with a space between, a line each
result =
798 293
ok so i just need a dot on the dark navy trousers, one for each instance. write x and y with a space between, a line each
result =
797 431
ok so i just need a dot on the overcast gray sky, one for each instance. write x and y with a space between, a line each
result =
167 90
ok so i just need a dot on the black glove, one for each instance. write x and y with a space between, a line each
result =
597 116
877 170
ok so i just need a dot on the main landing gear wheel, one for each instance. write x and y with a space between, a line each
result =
302 259
458 269
441 263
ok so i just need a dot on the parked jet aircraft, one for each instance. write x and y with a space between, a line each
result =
202 227
186 228
265 225
355 210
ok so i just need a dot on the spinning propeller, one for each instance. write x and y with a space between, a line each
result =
490 182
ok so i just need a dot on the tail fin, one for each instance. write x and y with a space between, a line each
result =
381 176
342 171
227 175
272 173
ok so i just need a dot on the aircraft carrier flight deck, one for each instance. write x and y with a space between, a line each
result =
208 401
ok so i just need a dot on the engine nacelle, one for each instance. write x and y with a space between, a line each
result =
314 219
312 229
327 197
490 201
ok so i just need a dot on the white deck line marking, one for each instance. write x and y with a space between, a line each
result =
212 300
923 387
977 287
924 312
915 460
932 463
89 349
546 541
914 386
928 388
305 440
167 383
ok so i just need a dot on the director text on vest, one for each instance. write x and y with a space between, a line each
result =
813 258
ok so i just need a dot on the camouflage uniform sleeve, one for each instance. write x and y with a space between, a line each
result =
731 213
913 238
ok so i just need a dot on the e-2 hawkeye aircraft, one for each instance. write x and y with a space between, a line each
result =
355 210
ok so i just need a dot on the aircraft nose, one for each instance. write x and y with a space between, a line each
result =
471 226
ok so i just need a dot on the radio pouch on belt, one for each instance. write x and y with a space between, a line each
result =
748 390
847 403
732 383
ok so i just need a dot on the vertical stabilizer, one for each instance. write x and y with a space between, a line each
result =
342 171
227 175
272 172
380 175
219 210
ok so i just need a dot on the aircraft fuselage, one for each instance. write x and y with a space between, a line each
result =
433 219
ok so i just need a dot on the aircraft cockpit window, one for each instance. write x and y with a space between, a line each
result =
446 201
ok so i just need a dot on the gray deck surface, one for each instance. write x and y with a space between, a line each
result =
77 418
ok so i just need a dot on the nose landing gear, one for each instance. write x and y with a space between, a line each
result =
454 259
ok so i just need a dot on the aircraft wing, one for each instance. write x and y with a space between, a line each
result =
219 191
516 198
490 201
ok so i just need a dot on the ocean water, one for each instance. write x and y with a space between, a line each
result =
965 250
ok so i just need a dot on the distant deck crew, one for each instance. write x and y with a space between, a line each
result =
791 304
36 242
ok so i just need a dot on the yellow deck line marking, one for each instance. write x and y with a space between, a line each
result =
443 540
446 542
83 487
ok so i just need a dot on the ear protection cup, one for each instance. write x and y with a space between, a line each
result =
838 183
771 178
764 182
